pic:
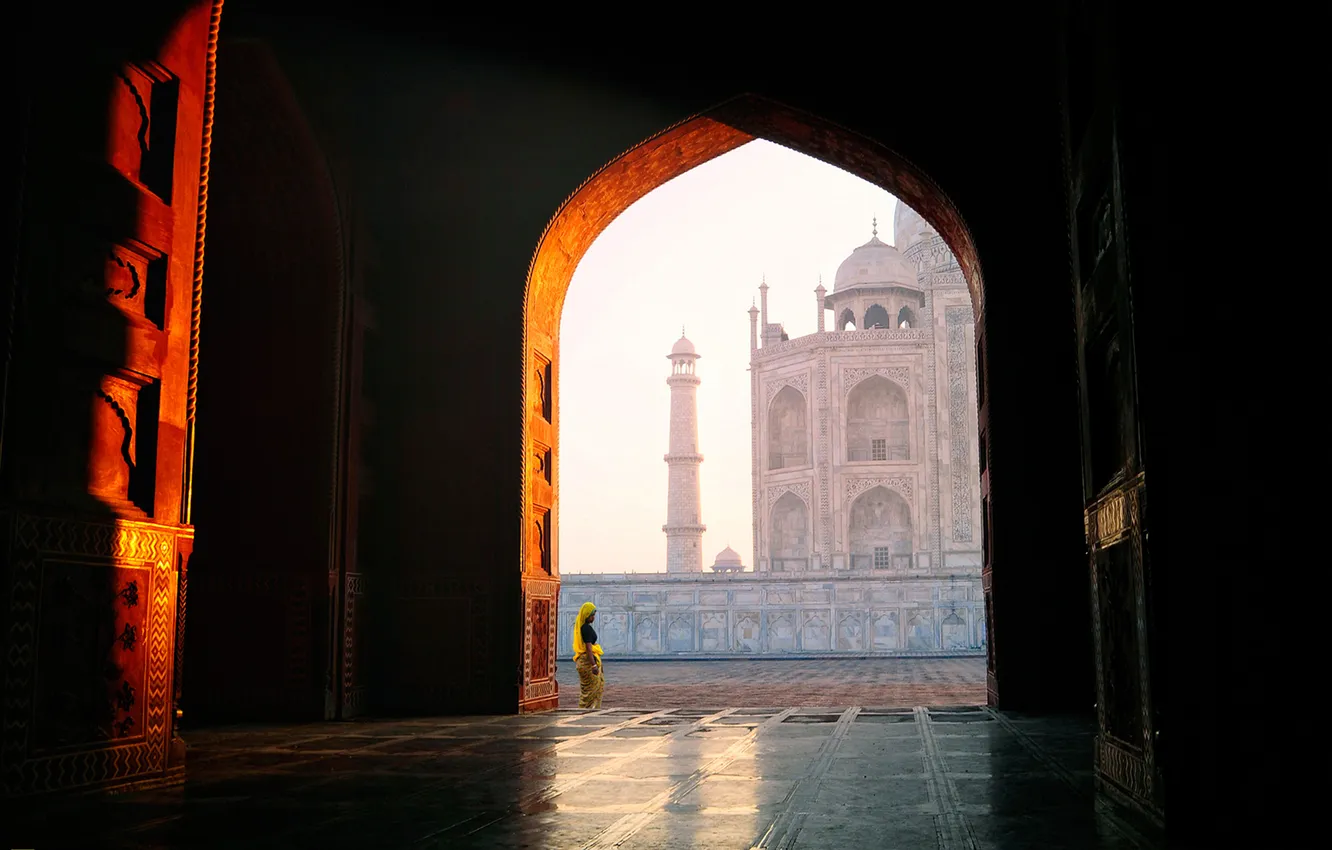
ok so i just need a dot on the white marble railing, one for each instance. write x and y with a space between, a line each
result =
702 615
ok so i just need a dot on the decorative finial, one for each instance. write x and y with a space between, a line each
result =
874 231
681 331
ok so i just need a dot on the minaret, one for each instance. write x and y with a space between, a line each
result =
684 531
821 294
763 311
753 328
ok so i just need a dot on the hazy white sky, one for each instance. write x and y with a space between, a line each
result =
691 253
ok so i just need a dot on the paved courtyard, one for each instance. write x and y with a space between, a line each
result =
706 777
894 682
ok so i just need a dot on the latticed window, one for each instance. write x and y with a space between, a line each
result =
878 449
883 557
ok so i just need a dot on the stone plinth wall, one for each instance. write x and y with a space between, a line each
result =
658 615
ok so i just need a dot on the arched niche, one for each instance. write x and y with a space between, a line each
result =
789 534
847 320
877 317
880 532
788 430
906 317
878 426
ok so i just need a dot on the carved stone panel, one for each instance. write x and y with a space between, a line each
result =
774 385
712 631
614 632
953 631
815 630
353 645
94 605
748 637
680 633
959 428
920 629
781 632
885 630
851 632
542 665
647 633
899 375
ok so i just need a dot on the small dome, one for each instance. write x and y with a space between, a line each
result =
876 263
728 556
909 227
728 561
683 346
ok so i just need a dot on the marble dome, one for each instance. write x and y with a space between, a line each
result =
876 263
683 347
728 560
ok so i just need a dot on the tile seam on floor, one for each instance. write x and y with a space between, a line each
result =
782 832
556 748
558 788
1125 829
956 832
528 756
620 831
518 760
315 755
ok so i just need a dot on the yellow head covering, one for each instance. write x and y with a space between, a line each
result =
578 646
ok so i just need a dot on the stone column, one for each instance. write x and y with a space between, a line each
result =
755 480
820 293
763 306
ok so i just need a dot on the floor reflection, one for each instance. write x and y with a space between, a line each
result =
709 777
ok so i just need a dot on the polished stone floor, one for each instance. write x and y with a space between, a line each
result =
706 777
897 682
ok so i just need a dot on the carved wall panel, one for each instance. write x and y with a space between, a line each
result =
647 633
815 631
799 382
902 484
748 633
353 645
920 629
540 631
959 319
781 633
680 633
712 635
850 632
886 630
800 489
899 375
96 603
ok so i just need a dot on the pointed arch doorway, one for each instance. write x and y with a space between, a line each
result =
567 237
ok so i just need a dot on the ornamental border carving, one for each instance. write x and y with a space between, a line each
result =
800 382
800 488
834 338
903 485
122 542
957 318
851 378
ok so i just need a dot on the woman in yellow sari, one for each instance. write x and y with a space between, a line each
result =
587 658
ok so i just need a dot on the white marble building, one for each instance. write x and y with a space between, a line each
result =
866 496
